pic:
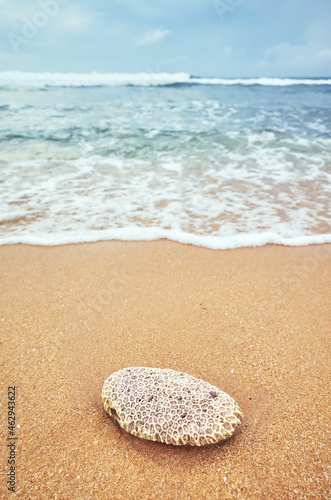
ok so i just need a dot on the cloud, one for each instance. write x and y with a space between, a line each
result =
295 58
313 51
324 54
152 37
76 20
114 32
64 17
227 51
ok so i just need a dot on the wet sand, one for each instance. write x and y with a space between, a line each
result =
255 322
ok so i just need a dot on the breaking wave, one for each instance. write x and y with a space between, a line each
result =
44 80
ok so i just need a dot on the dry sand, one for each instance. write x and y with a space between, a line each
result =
254 322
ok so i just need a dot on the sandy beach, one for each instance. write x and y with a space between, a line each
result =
255 322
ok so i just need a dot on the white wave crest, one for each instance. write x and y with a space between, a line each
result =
272 82
41 80
89 80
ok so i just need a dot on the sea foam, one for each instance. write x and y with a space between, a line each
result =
152 234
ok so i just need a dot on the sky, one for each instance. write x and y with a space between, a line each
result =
224 38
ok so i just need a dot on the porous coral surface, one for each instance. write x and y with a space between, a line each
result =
170 406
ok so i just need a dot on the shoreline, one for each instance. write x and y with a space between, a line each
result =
253 321
146 234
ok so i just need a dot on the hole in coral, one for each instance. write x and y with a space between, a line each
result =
213 394
114 414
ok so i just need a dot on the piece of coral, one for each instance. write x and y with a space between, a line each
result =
169 406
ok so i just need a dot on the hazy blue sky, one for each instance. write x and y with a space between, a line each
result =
212 38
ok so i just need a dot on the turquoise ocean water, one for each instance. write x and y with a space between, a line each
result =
213 162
